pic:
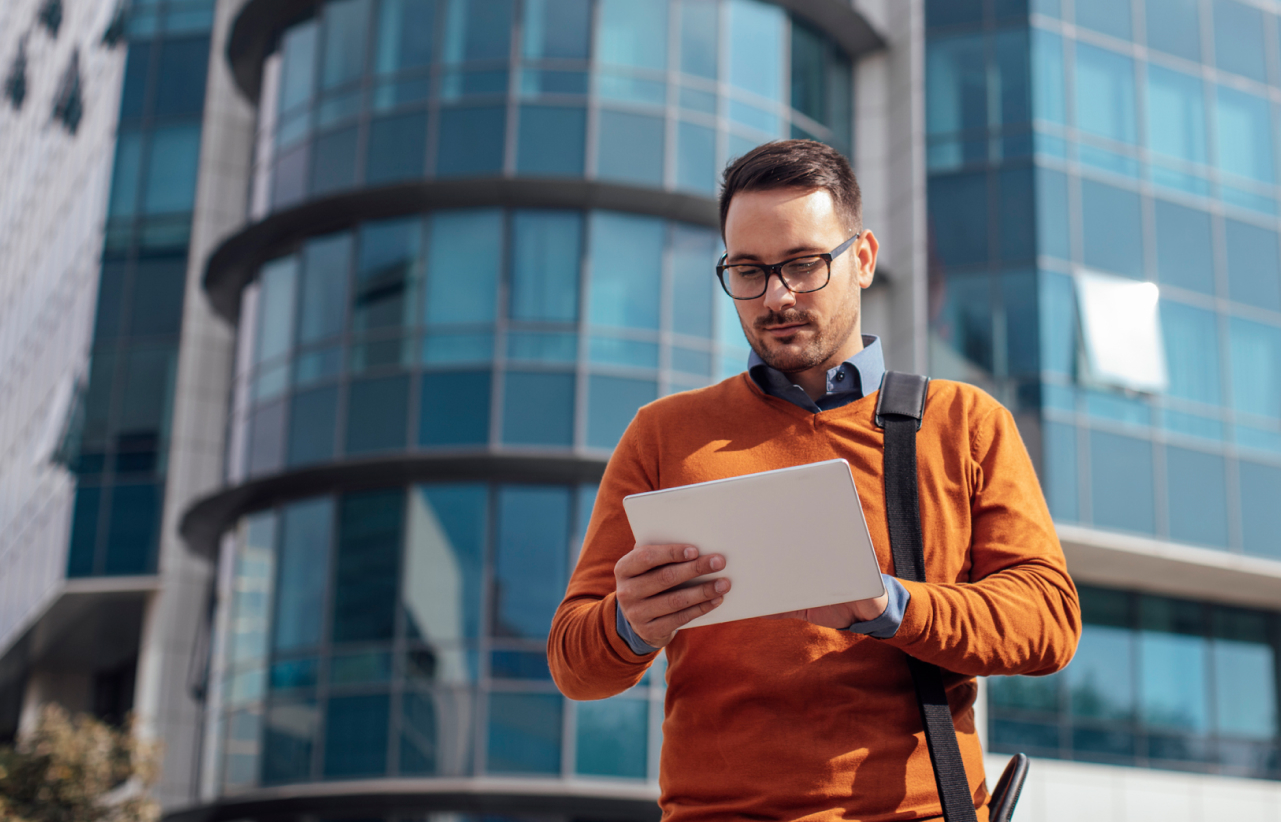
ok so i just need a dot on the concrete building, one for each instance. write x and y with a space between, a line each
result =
380 282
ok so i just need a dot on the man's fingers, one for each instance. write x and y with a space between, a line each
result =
662 629
644 558
655 580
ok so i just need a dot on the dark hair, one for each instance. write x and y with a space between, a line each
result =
795 164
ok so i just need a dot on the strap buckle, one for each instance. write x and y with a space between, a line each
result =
902 395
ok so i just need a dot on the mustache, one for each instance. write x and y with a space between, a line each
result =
789 317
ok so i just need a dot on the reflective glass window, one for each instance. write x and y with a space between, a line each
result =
699 23
694 252
406 34
1184 249
298 64
630 147
1176 114
397 148
1244 670
345 31
1107 16
632 34
313 423
958 217
377 412
1121 489
1243 130
155 300
696 158
1049 95
171 169
1059 474
1255 354
1113 229
1016 214
463 264
545 265
84 531
953 12
367 569
1053 216
302 571
1192 351
1105 102
454 408
444 568
524 733
180 78
1260 515
387 264
148 391
133 528
612 737
133 93
1254 265
1012 76
626 265
956 84
1173 657
531 559
356 735
1198 497
334 166
266 438
1101 677
125 174
288 738
289 176
756 47
1176 29
1238 39
1019 311
538 408
556 29
965 322
276 308
471 141
553 140
611 404
323 302
809 74
478 30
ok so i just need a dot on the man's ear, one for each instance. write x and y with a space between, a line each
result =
865 251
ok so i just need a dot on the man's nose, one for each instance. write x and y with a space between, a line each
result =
777 295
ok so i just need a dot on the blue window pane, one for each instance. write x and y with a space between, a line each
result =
696 158
1255 355
406 34
531 563
313 420
1101 676
756 47
133 529
1049 95
538 408
334 168
345 30
618 351
613 737
699 25
1244 132
1059 474
553 141
1105 103
133 94
545 265
454 409
386 266
1197 488
1184 251
1019 312
958 217
956 84
180 77
630 147
444 567
1238 39
1107 16
1260 514
1121 482
266 438
171 169
458 349
156 297
1254 265
84 531
470 241
323 304
279 280
1192 352
540 346
1016 212
612 402
940 13
966 319
356 735
288 739
524 733
626 267
397 148
471 141
1053 222
1173 663
124 177
1113 226
557 29
478 30
694 252
1244 671
1176 29
1176 114
365 575
377 414
298 64
1012 76
528 665
289 176
302 571
632 34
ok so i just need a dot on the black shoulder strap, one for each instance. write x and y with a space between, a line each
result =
899 410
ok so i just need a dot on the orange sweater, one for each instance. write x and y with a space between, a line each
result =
782 719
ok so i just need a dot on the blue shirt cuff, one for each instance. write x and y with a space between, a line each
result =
886 625
638 645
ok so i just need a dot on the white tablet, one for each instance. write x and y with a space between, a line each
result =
792 538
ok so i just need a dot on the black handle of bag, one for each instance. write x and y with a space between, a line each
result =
899 410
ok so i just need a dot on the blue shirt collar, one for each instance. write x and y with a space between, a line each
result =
851 380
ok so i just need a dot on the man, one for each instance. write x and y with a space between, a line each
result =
814 716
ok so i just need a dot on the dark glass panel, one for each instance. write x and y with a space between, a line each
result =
365 577
957 83
694 252
266 438
1049 92
626 254
632 34
1059 475
313 419
612 402
1101 677
538 408
630 147
524 733
1013 75
1254 266
1260 514
155 305
613 737
531 562
133 529
302 571
172 165
1033 737
1176 29
965 322
478 30
289 176
1105 98
435 732
148 391
470 240
102 377
406 34
454 409
323 305
111 298
289 737
1113 228
809 71
345 31
1197 487
360 668
180 79
1022 331
334 167
1016 213
444 570
958 218
1245 672
1184 250
1102 744
377 412
545 265
1121 482
553 140
696 158
699 26
397 148
81 552
557 29
1025 693
294 675
940 13
471 141
1173 659
133 95
386 269
519 665
126 174
298 46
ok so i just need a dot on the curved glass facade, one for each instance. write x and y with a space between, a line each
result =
656 94
474 329
402 632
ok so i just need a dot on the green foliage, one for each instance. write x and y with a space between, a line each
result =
77 770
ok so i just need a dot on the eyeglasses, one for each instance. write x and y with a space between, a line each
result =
799 275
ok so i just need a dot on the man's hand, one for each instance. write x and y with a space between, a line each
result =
646 580
840 616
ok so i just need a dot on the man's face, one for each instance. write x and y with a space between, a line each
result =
799 332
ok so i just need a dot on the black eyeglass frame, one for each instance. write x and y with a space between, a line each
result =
777 268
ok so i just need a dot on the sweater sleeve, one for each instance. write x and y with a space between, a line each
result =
588 658
1018 613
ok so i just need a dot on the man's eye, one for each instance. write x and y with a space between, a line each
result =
748 271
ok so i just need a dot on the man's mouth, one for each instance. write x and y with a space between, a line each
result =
783 330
